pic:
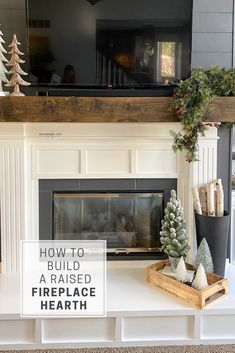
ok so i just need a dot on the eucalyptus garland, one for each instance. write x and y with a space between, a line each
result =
191 105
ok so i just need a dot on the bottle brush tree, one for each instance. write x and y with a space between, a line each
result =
200 280
3 70
181 271
174 238
16 70
204 256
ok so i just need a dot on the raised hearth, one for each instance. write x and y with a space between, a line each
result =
138 314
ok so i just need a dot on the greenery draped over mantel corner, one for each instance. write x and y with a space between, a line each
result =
191 102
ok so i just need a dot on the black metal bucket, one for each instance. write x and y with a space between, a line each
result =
216 232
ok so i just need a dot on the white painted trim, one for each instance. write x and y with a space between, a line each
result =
21 169
128 322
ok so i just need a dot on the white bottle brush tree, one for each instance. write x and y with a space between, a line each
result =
200 280
181 271
3 70
16 70
173 234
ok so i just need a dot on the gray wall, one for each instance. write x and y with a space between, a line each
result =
212 40
13 21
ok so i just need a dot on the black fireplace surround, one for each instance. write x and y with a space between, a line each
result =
126 213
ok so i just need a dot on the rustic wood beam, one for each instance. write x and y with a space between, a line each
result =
103 109
222 109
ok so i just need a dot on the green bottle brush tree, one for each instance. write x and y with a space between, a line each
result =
174 238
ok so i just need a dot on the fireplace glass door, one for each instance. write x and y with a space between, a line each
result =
129 222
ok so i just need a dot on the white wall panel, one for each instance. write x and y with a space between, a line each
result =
78 330
197 174
218 327
108 161
55 161
17 331
12 202
157 328
58 162
156 161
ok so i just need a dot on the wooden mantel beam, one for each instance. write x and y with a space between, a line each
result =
102 109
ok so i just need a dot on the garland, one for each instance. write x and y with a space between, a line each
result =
191 104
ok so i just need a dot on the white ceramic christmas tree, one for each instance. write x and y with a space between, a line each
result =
174 238
181 271
204 256
200 280
3 70
16 70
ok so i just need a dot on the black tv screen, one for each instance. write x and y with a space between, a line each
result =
115 43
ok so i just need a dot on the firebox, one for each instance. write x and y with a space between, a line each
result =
125 213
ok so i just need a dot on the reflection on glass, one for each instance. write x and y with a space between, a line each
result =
168 58
125 220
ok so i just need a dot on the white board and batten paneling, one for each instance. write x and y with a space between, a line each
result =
104 161
98 151
102 151
32 151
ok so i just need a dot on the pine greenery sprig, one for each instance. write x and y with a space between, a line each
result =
173 234
191 104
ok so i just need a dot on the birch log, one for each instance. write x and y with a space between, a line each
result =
219 198
203 199
210 188
196 200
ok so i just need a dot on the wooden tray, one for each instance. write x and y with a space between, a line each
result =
218 286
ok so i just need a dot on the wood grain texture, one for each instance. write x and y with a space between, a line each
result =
103 109
222 110
217 289
85 109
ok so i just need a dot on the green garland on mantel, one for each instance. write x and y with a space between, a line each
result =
191 103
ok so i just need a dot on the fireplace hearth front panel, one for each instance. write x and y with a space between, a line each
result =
126 213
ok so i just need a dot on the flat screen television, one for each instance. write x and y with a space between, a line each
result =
109 43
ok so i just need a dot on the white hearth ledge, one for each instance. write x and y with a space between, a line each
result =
138 314
33 151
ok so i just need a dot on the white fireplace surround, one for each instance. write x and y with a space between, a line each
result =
33 151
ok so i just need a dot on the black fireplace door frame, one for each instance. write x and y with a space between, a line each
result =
47 188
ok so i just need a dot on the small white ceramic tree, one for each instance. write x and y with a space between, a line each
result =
3 70
200 280
204 256
181 271
16 70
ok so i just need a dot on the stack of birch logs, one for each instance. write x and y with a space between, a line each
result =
208 200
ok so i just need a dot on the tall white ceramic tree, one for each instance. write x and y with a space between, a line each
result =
16 81
3 70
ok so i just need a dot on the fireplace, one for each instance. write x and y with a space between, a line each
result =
37 160
125 213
